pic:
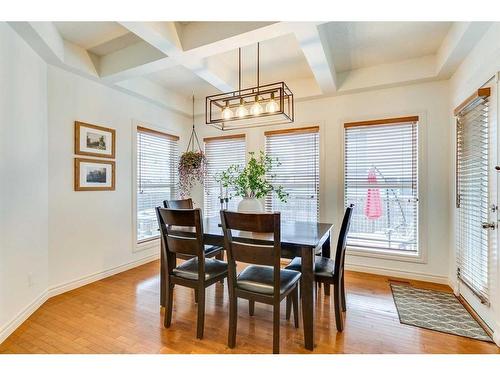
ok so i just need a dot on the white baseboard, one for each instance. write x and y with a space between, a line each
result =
77 283
397 273
24 314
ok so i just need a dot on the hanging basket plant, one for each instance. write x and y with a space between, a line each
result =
192 164
192 169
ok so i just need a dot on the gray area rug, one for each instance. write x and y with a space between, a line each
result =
439 311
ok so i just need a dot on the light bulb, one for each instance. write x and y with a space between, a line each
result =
241 111
256 108
272 106
226 112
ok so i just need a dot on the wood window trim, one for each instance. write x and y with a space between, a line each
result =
483 92
386 121
221 137
308 129
141 129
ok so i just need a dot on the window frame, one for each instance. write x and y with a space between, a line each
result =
222 137
300 130
154 242
421 255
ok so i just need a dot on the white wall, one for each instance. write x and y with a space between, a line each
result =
91 232
430 102
23 179
481 64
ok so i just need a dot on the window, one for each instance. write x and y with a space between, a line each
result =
472 186
381 180
221 152
297 151
157 157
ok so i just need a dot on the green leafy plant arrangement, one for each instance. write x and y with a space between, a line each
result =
251 181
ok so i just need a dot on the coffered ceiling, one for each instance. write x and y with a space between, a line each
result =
165 62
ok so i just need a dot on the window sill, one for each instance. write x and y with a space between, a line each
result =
387 254
147 244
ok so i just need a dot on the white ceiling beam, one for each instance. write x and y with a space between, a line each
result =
165 37
457 44
118 65
318 55
43 37
161 35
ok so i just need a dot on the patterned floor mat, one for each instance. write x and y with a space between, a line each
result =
439 311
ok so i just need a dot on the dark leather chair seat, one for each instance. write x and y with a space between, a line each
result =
259 279
322 266
189 269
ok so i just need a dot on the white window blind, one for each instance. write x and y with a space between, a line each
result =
381 180
473 196
221 153
157 177
297 151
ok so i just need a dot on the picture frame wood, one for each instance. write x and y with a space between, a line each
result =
95 140
94 174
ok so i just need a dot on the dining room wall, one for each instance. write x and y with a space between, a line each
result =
427 100
91 232
23 181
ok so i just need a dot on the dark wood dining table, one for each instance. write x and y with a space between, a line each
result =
302 239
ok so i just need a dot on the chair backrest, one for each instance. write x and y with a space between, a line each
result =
245 248
181 233
342 243
178 203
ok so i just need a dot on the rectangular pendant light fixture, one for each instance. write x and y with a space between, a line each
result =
261 105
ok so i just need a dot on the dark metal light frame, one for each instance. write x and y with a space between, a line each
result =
278 91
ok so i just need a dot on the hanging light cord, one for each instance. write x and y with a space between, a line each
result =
239 71
258 66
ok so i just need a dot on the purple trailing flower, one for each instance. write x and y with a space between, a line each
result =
192 169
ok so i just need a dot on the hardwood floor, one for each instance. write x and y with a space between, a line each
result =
121 314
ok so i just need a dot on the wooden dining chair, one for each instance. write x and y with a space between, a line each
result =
178 203
263 281
331 272
210 250
182 233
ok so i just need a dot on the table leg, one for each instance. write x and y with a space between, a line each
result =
326 253
307 290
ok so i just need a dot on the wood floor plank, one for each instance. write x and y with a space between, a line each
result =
121 314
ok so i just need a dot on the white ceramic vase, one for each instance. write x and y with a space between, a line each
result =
250 205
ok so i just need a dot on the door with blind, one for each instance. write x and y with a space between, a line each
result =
381 180
157 178
476 207
221 153
297 151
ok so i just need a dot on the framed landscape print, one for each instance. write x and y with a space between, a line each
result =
93 140
94 175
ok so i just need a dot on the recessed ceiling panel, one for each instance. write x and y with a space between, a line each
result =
357 45
90 34
281 59
183 81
